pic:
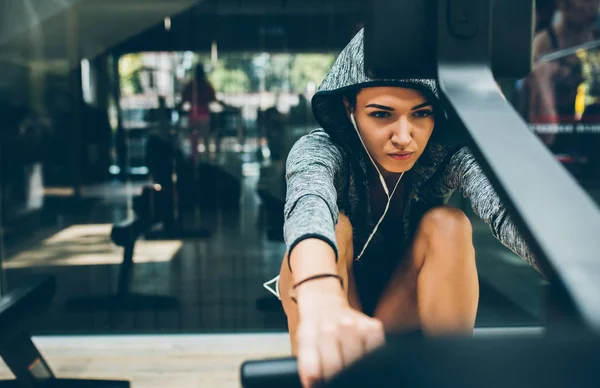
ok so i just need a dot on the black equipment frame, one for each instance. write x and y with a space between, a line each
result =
557 218
19 310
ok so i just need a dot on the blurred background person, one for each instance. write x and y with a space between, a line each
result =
199 93
552 87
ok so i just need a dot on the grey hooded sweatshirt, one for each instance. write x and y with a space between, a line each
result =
327 170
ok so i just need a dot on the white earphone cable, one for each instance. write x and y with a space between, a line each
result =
385 188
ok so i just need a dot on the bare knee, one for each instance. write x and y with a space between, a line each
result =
446 222
446 235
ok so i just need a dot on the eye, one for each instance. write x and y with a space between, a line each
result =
379 114
422 113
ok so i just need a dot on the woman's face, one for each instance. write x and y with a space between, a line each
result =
395 124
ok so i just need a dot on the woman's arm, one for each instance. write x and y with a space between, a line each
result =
326 332
311 211
465 174
542 104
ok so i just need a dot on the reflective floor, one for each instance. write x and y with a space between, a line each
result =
158 361
211 284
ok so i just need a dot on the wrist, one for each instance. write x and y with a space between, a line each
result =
319 292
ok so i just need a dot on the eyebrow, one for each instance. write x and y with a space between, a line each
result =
382 107
423 105
390 109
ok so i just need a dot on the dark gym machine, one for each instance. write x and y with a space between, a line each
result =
464 44
19 310
125 234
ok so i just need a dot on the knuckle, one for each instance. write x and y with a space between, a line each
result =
368 329
348 325
306 335
329 328
376 326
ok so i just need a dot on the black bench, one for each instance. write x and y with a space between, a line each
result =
19 310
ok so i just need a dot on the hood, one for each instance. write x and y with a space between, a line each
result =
347 73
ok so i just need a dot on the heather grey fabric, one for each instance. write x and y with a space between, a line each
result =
326 170
348 70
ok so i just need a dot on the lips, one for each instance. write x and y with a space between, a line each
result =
402 155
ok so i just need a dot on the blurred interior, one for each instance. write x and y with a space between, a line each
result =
98 130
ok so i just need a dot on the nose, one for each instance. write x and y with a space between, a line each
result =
401 136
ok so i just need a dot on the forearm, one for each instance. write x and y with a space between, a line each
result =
313 257
542 102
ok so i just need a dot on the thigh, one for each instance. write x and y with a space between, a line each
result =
444 241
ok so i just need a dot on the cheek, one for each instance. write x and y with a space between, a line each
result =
375 137
423 133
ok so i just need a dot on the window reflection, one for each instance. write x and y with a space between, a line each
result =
560 97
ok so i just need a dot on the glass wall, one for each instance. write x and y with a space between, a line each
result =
143 165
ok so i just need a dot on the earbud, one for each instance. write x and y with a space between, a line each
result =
353 119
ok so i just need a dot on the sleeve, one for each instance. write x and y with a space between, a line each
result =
465 174
312 170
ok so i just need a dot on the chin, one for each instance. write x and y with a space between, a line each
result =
398 168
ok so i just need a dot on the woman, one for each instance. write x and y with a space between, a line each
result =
199 93
371 246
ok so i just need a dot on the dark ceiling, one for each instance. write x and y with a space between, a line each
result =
260 25
87 28
77 29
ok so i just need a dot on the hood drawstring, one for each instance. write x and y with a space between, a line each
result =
383 184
